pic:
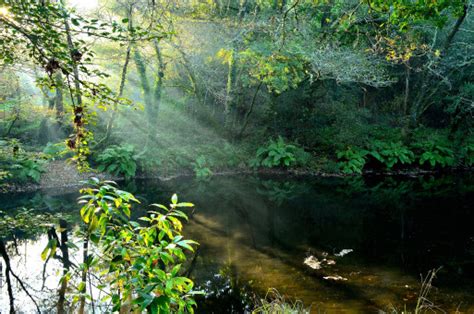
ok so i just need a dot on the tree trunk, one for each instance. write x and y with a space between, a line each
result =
147 97
227 101
58 100
159 77
456 27
407 90
123 78
249 112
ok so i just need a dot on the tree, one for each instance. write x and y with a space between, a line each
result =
47 34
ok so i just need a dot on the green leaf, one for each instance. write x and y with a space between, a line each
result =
185 205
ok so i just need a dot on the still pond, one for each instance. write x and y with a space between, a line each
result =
338 245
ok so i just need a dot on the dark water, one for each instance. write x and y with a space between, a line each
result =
256 233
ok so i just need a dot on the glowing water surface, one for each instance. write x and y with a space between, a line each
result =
256 233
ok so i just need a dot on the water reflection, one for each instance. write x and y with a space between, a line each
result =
257 232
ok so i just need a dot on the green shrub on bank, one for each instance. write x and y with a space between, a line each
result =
202 168
433 152
118 160
390 154
279 154
436 155
467 154
352 160
26 169
434 149
17 165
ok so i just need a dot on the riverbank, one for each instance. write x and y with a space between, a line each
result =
63 174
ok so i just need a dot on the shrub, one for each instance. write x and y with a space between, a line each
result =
138 265
27 169
436 154
352 160
279 154
391 154
467 154
201 167
118 160
18 165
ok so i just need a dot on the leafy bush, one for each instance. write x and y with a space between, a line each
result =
201 168
140 266
27 169
118 160
467 154
279 154
390 154
436 154
352 160
18 165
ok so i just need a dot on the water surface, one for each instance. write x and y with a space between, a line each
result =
257 231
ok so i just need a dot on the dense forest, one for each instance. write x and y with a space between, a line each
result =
127 89
144 87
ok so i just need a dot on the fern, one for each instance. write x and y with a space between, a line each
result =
118 160
436 154
352 160
201 168
279 154
391 154
27 169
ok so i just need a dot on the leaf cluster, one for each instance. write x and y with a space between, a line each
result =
278 153
118 160
142 261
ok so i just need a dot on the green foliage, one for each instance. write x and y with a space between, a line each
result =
460 107
467 154
54 151
279 154
406 13
57 49
352 160
27 169
140 262
17 165
151 160
391 153
202 168
436 154
118 160
277 70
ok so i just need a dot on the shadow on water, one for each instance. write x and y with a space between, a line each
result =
365 240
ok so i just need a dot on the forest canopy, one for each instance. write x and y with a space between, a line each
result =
138 90
160 85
